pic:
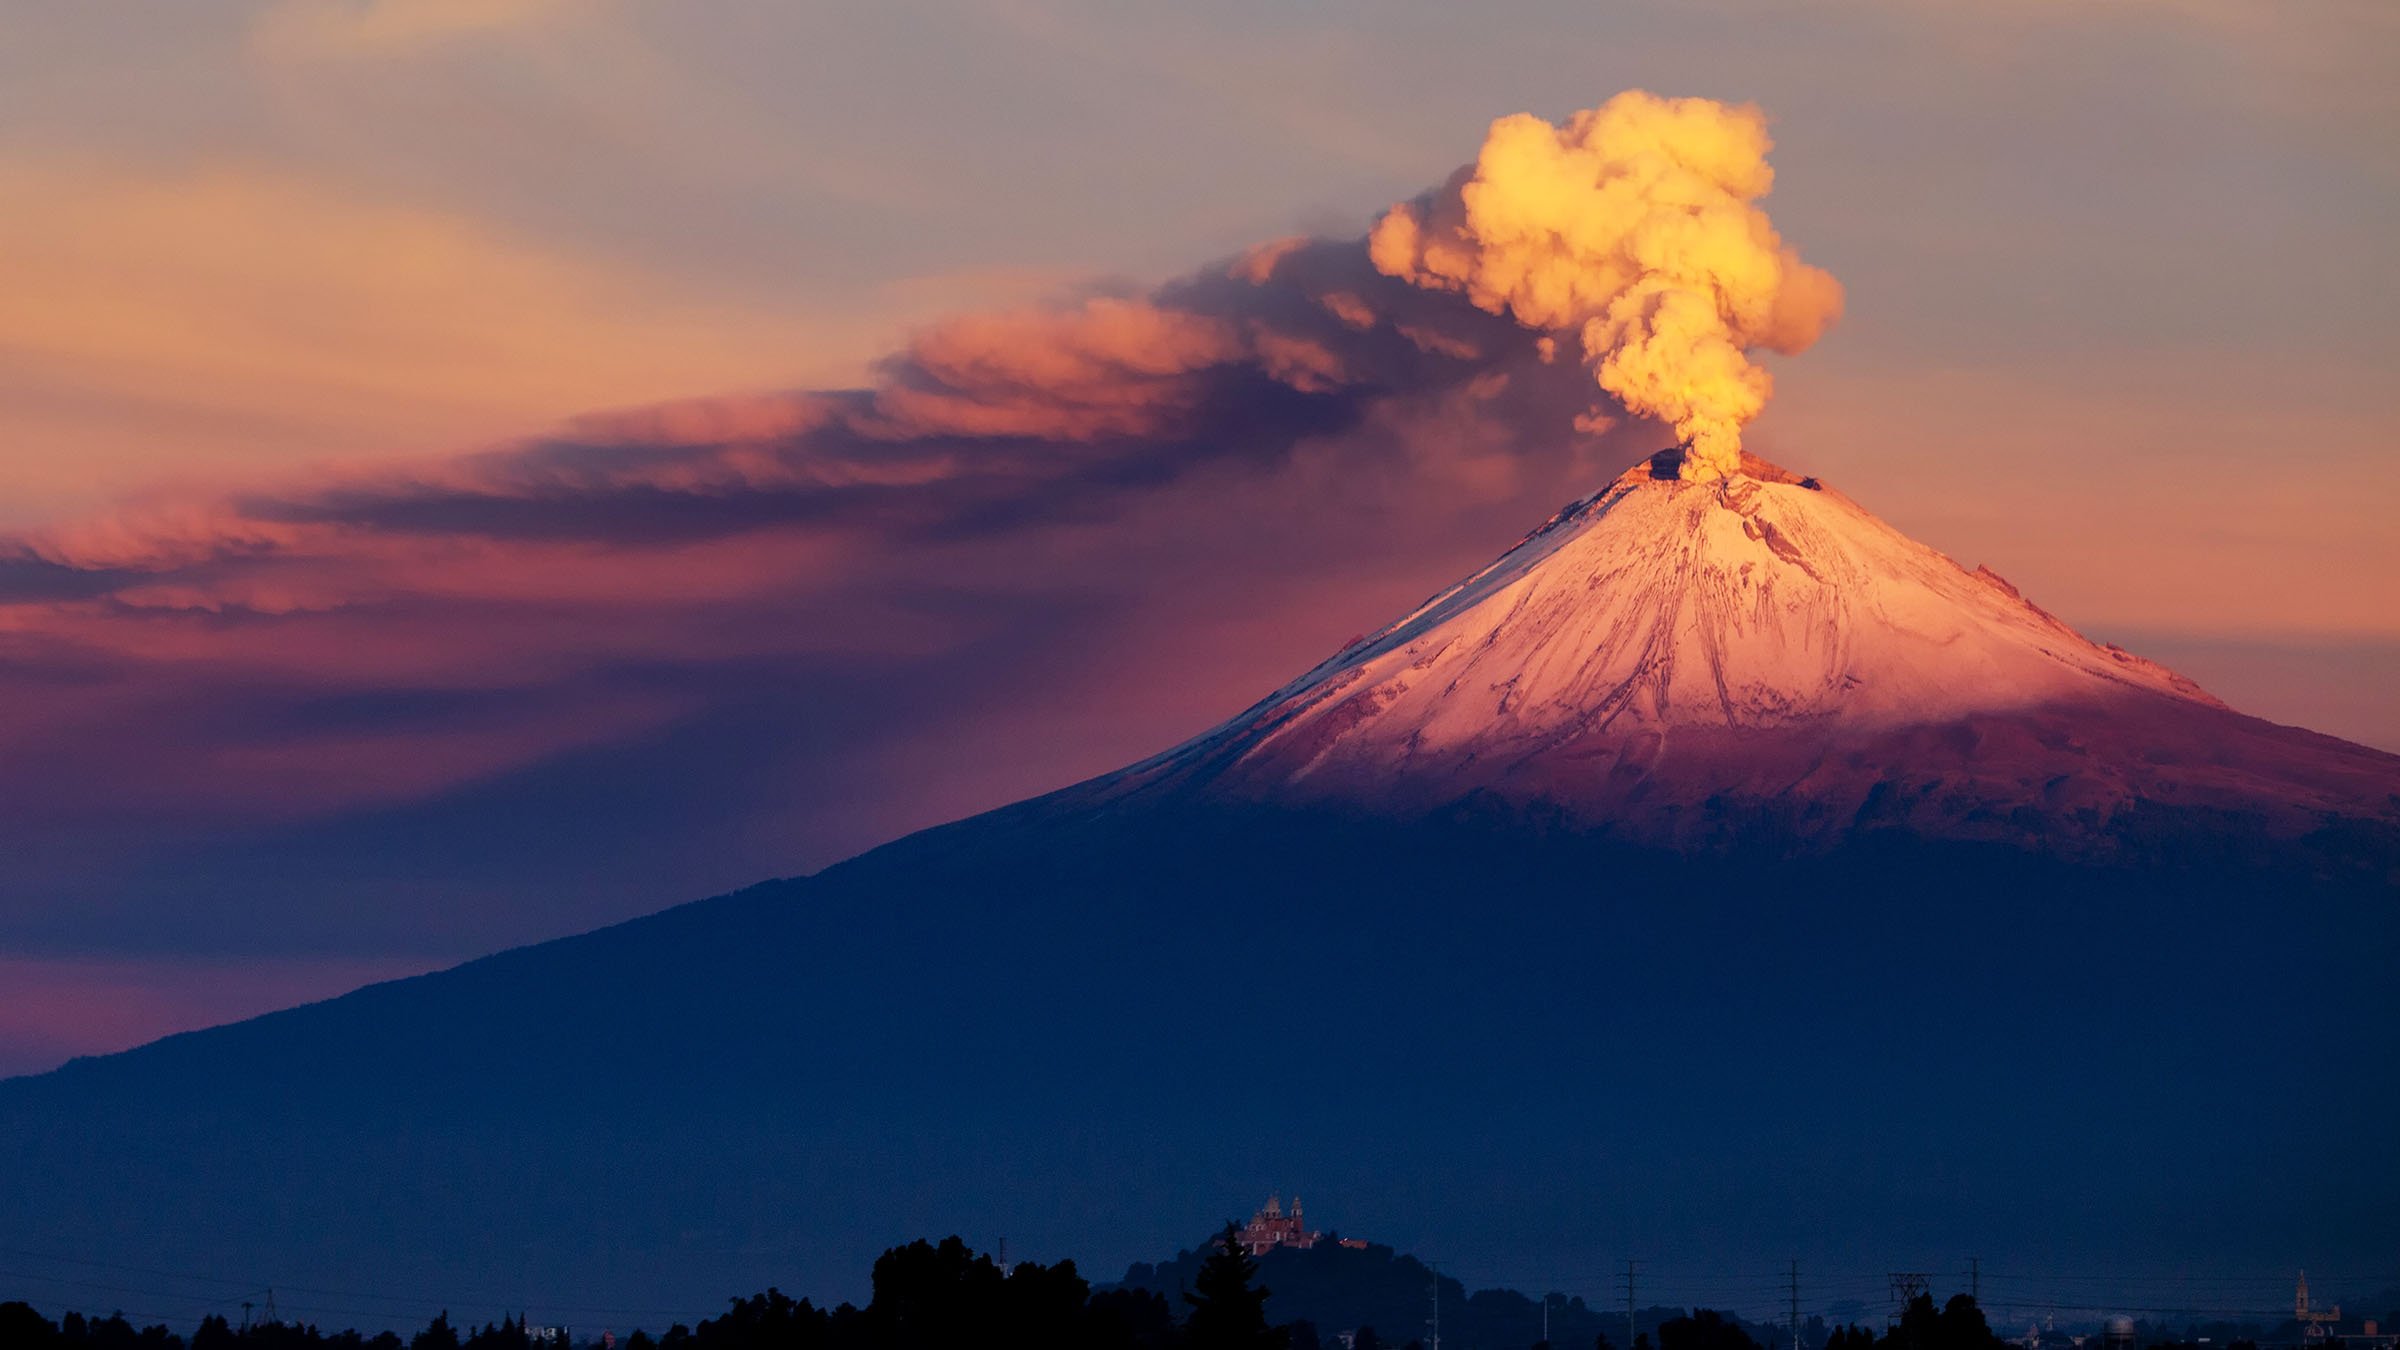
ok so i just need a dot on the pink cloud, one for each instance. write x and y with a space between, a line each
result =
769 615
1106 367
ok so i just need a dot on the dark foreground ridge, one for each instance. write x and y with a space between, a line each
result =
940 1296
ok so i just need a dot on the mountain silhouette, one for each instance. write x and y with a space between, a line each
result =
1719 877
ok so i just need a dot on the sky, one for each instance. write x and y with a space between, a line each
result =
475 471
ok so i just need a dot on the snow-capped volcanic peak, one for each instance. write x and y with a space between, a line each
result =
1760 600
1755 661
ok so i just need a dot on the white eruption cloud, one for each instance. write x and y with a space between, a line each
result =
1635 227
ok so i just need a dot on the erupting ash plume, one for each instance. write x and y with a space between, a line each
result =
1636 226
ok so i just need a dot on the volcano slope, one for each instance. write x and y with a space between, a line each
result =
1720 876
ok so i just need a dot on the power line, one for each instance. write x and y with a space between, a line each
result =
130 1270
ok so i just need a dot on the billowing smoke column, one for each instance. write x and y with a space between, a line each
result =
1637 227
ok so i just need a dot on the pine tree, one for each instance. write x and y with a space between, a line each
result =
1229 1312
438 1335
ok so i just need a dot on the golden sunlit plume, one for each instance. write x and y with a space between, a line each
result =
1635 226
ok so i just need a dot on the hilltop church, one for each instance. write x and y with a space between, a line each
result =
1270 1228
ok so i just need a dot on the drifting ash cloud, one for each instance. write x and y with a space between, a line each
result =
823 617
982 423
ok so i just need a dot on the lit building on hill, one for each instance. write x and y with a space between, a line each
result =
1270 1228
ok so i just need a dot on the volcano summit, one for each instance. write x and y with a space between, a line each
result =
1718 873
1758 661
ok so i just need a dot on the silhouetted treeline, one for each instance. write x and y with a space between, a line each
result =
930 1296
927 1297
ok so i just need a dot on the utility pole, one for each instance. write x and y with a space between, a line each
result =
1794 1289
1433 1327
1975 1279
1545 1322
1632 1267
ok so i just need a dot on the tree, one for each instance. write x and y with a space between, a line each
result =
933 1296
1958 1325
1963 1326
1229 1311
439 1335
768 1319
1044 1305
21 1325
1705 1329
1366 1339
1920 1327
1119 1319
509 1335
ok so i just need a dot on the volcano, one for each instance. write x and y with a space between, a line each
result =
1759 662
1718 874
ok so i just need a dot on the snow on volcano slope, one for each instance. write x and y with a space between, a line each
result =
1693 663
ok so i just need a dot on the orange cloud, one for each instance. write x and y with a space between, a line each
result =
1105 367
1257 264
227 651
1303 363
297 29
1350 310
231 318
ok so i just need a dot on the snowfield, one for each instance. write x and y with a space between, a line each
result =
1684 663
